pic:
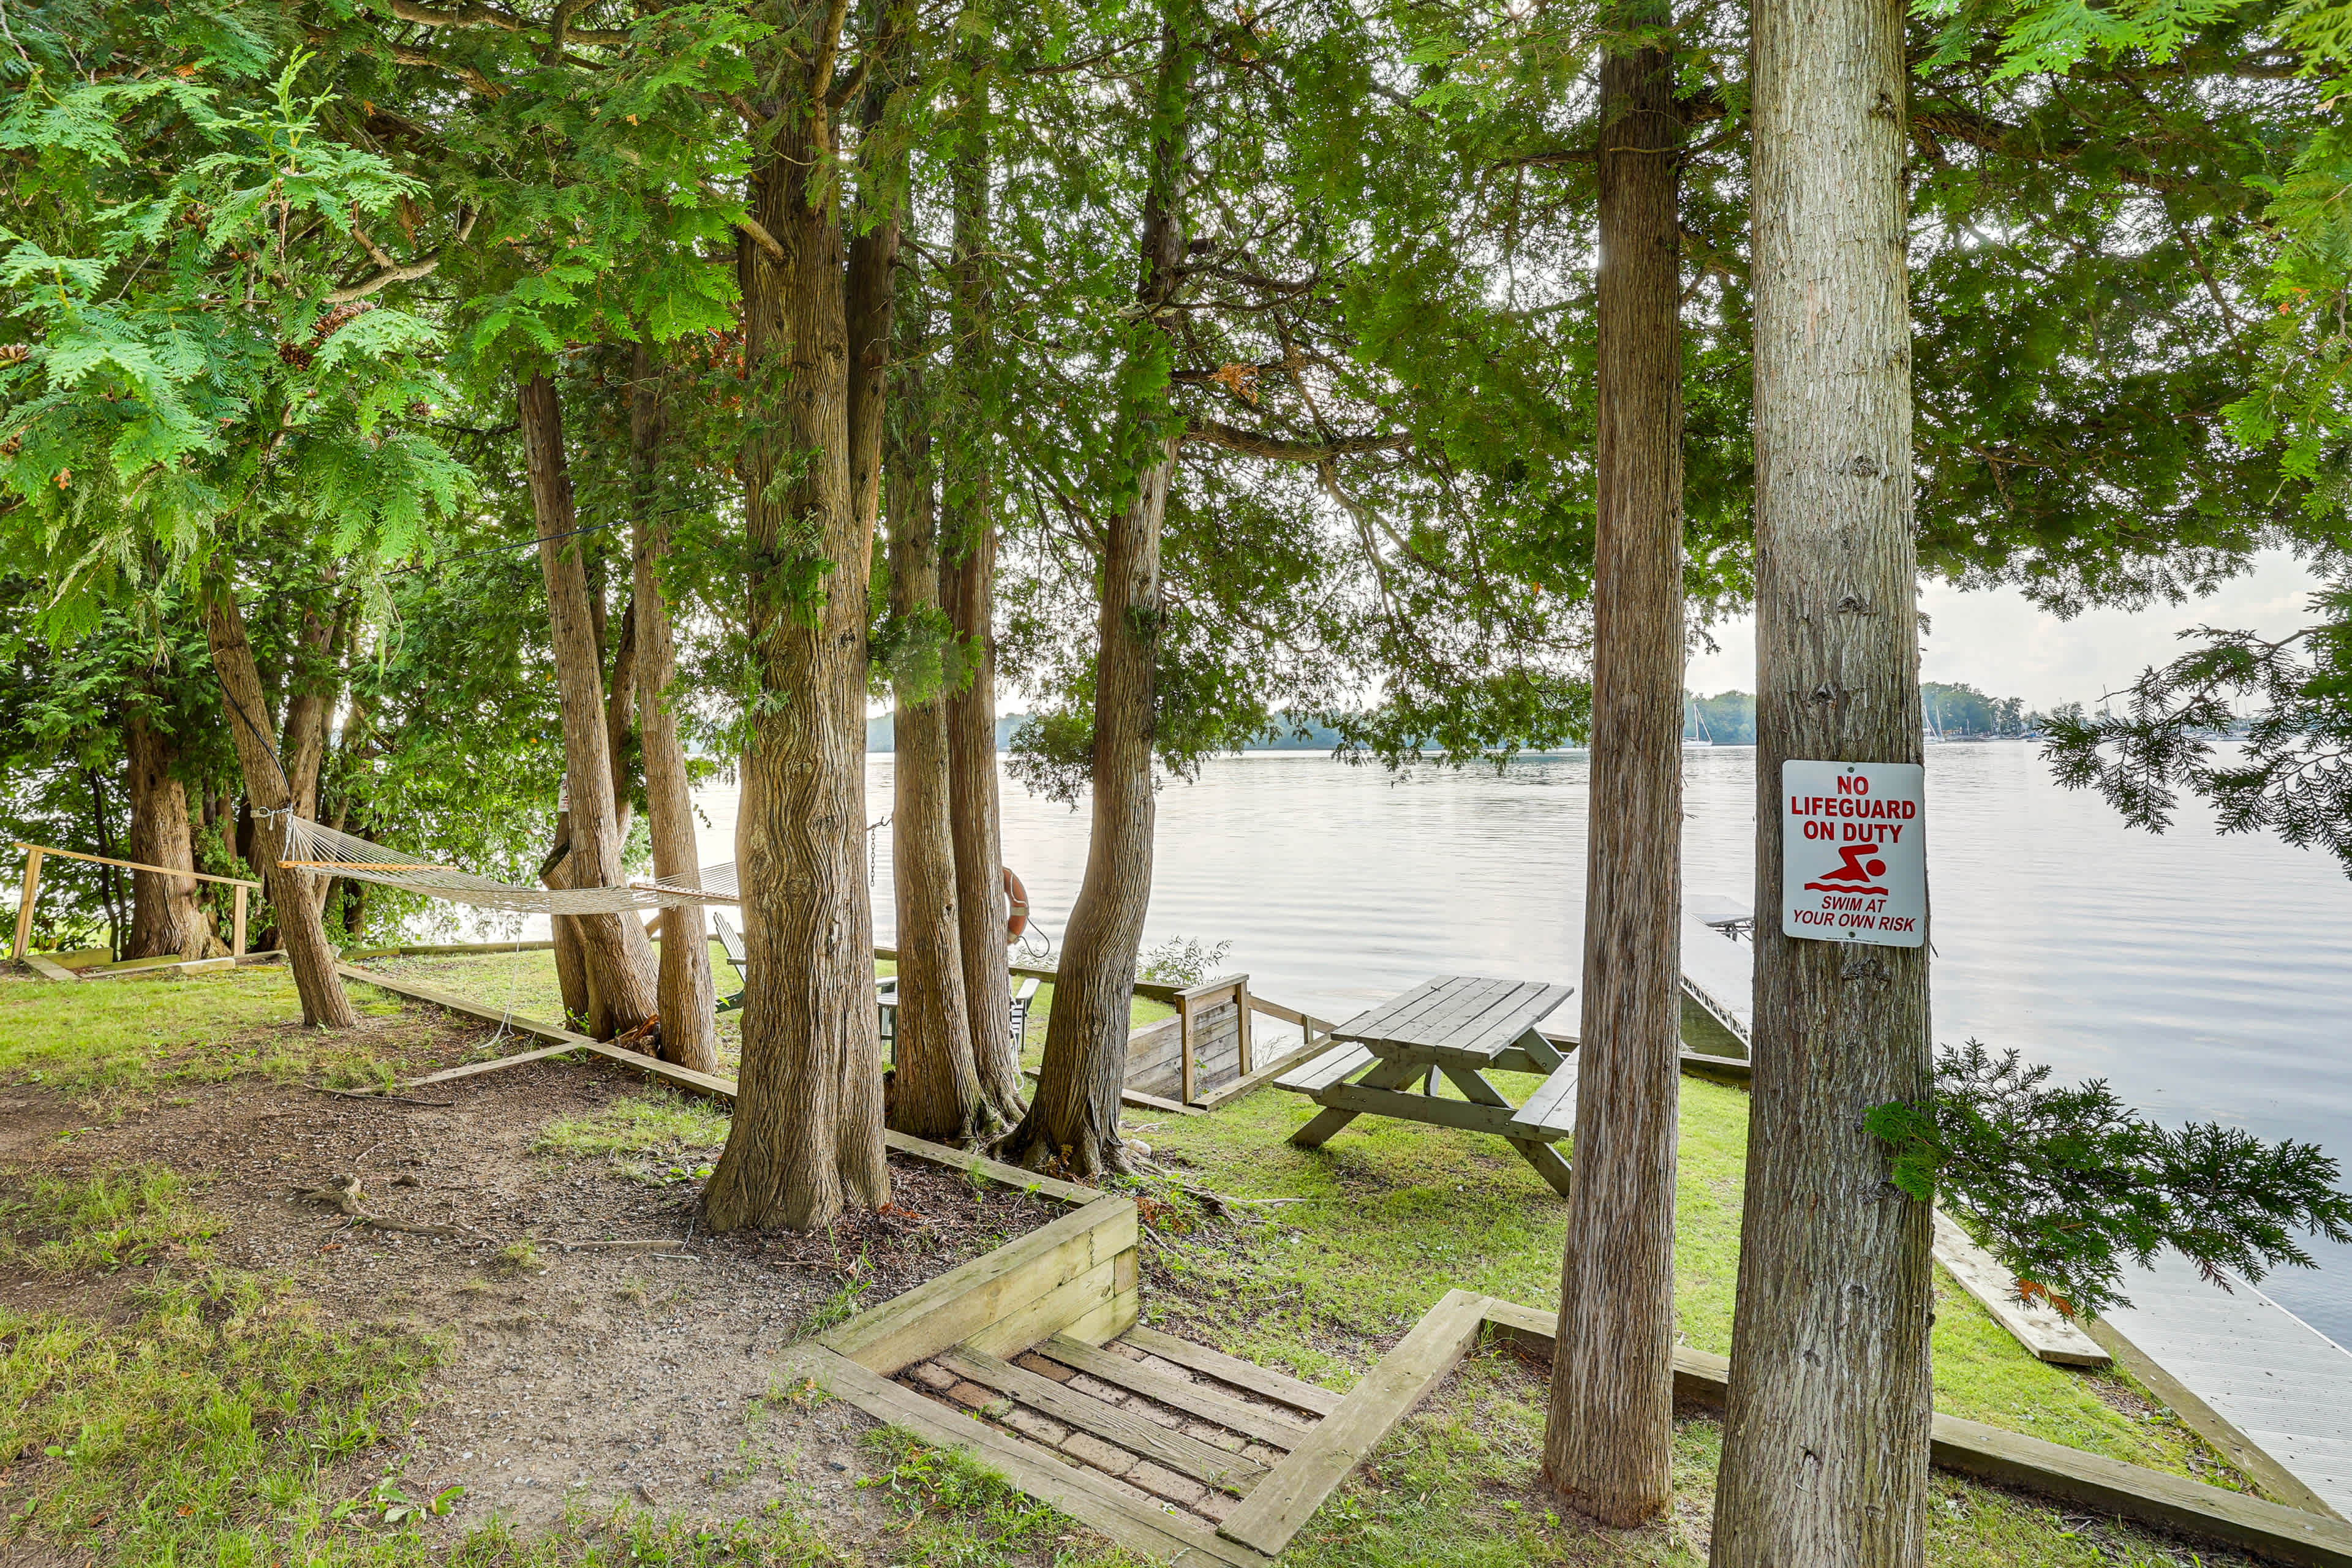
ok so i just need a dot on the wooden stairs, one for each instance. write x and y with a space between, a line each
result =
1175 1426
1189 1453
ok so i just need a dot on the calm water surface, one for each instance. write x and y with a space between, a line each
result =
2204 977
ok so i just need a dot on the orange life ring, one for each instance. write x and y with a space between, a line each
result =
1016 919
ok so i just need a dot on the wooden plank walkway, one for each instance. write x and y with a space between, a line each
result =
2279 1380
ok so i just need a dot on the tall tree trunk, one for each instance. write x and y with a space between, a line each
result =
110 891
807 1131
688 998
968 581
1825 1439
935 1087
620 960
621 719
1609 1440
166 917
570 961
272 792
1073 1117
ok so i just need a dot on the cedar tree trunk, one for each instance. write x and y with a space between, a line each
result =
166 918
619 958
570 962
690 1033
293 894
934 1088
968 580
807 1131
1825 1438
1609 1440
1073 1122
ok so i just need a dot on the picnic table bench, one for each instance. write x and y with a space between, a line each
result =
1460 1026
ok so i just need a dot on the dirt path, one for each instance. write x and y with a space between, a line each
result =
603 1374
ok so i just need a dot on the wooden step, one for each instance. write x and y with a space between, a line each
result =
1282 1503
1235 1414
1145 1527
1178 1451
1240 1373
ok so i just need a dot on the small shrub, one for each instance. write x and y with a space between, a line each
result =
1180 960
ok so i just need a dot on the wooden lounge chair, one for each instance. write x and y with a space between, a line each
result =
730 943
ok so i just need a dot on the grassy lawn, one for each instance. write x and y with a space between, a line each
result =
114 1039
1370 1230
211 1416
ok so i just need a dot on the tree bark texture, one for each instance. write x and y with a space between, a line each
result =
1073 1120
166 917
967 583
619 958
293 894
571 963
1825 1445
870 286
934 1086
689 1031
1609 1439
807 1131
621 719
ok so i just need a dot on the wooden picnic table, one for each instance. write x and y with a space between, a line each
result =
1459 1025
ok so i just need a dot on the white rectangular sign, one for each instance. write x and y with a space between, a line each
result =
1854 852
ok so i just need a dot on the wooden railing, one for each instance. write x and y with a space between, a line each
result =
35 853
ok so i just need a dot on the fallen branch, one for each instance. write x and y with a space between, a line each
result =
455 1232
377 1094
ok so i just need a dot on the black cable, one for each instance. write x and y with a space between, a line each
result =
266 746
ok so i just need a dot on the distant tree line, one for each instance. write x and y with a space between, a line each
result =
1728 718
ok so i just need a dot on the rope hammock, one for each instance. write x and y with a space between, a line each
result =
310 846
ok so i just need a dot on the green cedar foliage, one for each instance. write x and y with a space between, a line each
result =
188 258
2066 1185
2086 255
1381 493
2287 768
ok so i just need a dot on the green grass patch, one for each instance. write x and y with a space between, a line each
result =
204 1429
659 1121
961 1514
120 1040
1456 1486
112 1220
1388 1215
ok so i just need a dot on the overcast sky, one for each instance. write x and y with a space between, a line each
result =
2005 647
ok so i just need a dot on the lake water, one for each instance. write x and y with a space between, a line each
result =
2206 978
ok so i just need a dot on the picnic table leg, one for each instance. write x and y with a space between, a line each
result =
1541 1156
1384 1075
1547 1161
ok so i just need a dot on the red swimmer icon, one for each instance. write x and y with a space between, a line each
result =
1859 873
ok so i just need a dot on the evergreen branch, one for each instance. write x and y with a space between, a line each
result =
760 235
1212 433
828 50
1988 134
482 86
389 272
477 14
2064 1185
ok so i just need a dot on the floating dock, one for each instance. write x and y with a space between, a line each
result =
2273 1393
2280 1383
